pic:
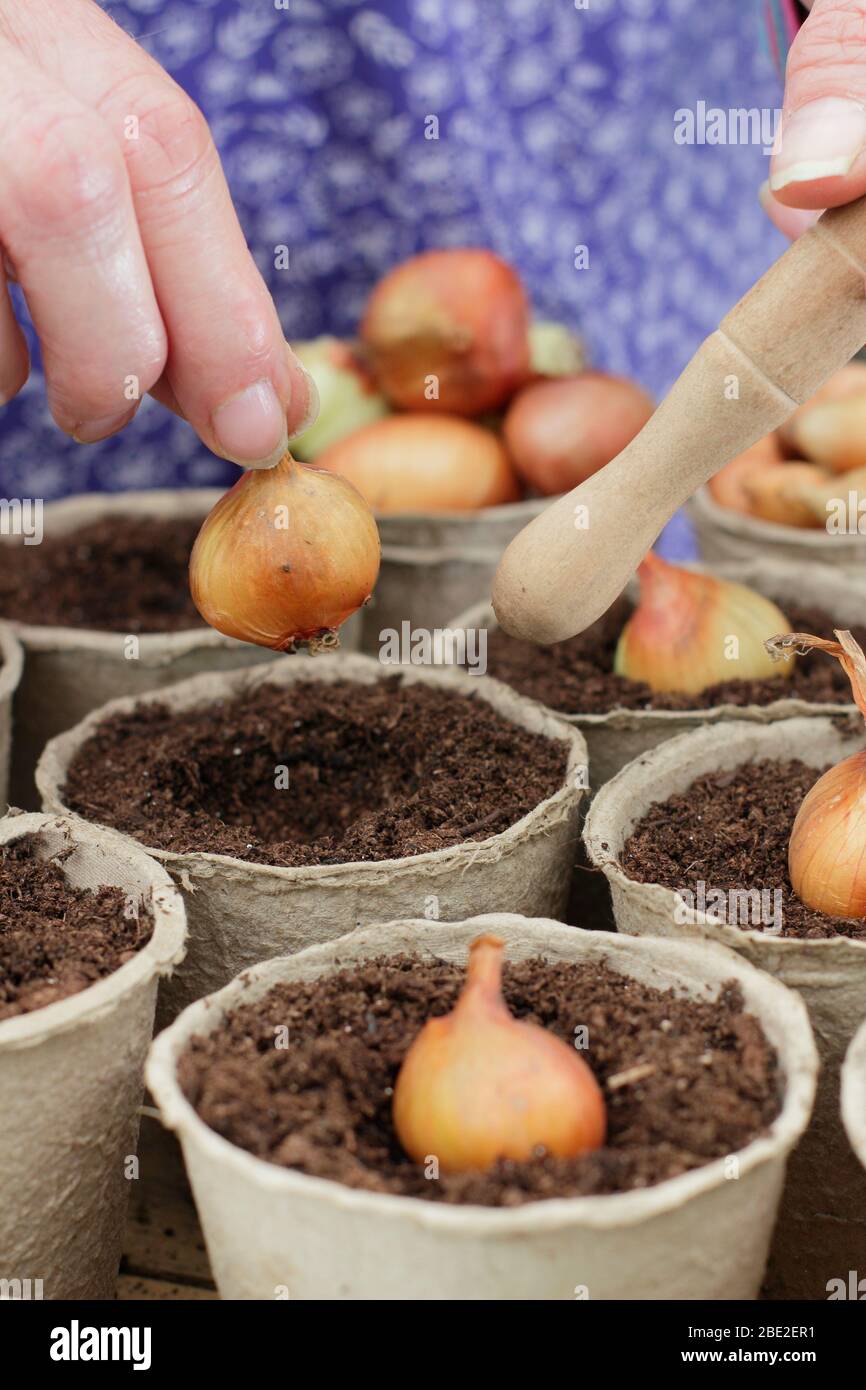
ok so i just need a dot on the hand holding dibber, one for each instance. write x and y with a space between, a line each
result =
802 321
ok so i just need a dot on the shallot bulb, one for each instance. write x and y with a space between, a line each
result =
554 349
828 427
448 331
348 396
776 494
827 848
562 430
728 486
286 556
477 1085
692 631
420 463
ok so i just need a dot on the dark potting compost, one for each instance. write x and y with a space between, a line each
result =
685 1080
55 940
730 830
315 773
577 676
119 574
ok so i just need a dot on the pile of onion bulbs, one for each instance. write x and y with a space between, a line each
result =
453 399
810 473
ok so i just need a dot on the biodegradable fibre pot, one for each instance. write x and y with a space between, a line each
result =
68 671
696 1236
854 1104
240 913
423 586
724 535
435 564
822 1222
71 1081
617 737
11 666
485 527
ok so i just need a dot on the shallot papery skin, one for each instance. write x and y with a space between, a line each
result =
286 556
692 631
477 1085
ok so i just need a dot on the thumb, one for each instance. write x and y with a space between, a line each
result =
820 155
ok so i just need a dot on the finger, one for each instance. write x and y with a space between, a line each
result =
68 223
820 155
162 392
792 222
14 354
229 367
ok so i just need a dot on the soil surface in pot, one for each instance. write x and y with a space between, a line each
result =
55 940
685 1081
315 773
118 574
730 831
577 676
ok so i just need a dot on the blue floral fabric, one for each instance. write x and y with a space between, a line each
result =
555 128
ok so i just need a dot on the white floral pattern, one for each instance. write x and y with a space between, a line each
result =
555 128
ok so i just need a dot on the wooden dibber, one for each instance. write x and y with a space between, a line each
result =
799 324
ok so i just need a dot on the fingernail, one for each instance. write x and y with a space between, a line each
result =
793 222
313 403
251 427
91 431
819 141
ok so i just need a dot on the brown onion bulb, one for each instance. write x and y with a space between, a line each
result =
561 431
776 493
848 383
424 463
348 396
477 1085
693 631
827 848
286 556
833 433
447 331
728 486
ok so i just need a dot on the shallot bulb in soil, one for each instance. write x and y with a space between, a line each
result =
478 1085
424 463
827 848
286 556
449 331
692 631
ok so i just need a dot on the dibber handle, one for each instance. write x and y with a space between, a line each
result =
802 321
